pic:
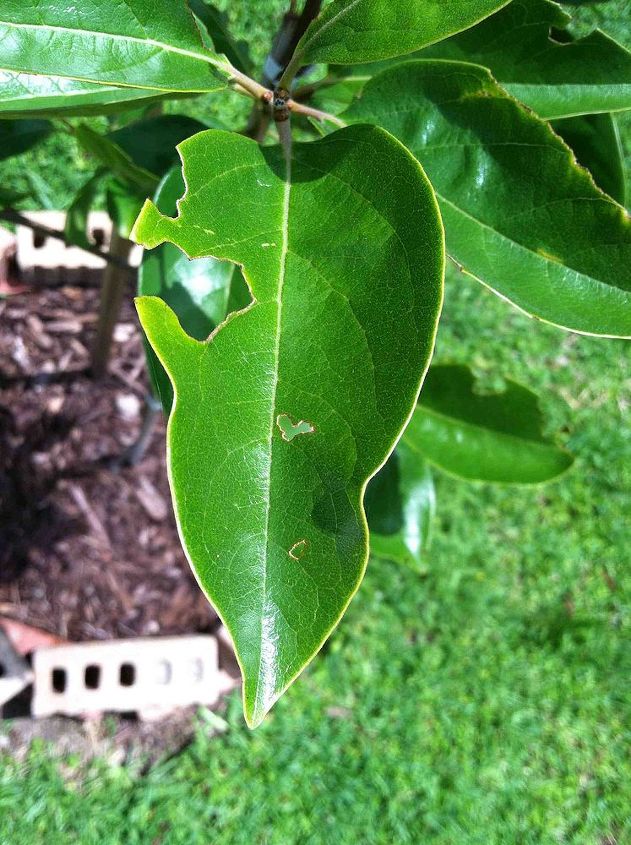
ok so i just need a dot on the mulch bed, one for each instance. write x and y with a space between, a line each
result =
87 551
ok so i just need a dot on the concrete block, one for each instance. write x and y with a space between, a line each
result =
47 260
15 674
147 676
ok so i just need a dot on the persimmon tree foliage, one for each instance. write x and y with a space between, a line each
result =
292 284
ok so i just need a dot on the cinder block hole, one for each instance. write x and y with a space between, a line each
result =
39 240
197 669
98 236
59 680
3 671
164 672
127 675
92 676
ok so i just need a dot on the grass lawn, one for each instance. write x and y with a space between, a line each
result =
484 702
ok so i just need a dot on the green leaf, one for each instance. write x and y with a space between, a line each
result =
76 228
353 31
151 143
201 292
137 155
124 202
18 136
217 26
595 141
519 214
401 507
115 159
552 73
28 95
338 337
494 437
134 43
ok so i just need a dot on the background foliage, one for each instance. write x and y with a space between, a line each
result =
486 702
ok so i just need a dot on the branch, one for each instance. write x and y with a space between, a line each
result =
308 111
21 220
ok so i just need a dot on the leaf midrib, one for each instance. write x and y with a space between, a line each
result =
270 442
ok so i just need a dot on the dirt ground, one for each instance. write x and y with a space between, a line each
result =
87 550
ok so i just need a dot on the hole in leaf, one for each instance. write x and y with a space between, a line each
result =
299 550
92 677
290 430
59 680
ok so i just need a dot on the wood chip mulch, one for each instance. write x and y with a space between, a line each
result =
87 551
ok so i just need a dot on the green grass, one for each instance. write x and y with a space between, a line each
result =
484 702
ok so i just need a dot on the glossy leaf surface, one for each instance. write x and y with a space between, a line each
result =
201 292
29 95
135 43
595 141
519 214
553 74
281 418
401 507
483 437
352 31
18 136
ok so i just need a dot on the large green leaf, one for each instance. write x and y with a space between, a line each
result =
292 405
135 43
353 31
520 215
595 141
556 78
494 437
29 95
201 292
400 507
18 136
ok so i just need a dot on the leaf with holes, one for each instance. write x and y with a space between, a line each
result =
519 214
548 70
552 73
401 507
353 31
285 413
156 47
201 292
495 437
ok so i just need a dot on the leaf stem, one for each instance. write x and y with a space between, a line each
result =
308 111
